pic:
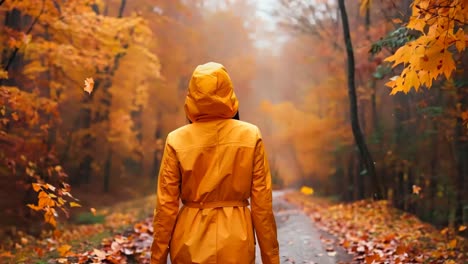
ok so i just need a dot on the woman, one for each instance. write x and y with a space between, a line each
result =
214 165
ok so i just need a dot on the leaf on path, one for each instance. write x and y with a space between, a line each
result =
307 190
374 232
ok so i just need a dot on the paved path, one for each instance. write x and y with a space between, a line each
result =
299 239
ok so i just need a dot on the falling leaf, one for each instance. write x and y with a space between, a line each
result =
461 228
93 211
89 85
416 189
75 204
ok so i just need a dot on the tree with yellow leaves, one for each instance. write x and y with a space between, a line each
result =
441 26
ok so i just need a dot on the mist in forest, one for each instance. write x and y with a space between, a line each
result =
103 140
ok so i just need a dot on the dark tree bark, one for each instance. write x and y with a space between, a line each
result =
122 8
366 157
461 146
36 19
107 171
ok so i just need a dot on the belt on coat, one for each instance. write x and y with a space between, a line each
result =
216 204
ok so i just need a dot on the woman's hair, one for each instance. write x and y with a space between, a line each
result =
236 116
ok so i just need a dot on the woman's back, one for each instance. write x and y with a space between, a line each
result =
214 165
216 160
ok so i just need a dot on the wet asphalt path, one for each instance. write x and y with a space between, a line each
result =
299 239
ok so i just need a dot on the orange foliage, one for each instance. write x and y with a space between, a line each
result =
442 26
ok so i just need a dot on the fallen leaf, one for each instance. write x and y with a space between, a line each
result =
6 254
307 190
63 250
24 241
101 255
452 244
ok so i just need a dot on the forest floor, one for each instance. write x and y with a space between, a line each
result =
310 230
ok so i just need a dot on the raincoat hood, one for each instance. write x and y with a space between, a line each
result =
210 94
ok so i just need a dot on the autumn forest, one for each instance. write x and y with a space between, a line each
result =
359 102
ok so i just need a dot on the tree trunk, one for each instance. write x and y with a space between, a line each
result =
107 171
122 8
461 146
366 157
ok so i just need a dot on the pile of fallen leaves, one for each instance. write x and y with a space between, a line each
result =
133 245
122 223
375 232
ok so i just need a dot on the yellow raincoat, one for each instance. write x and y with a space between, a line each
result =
214 165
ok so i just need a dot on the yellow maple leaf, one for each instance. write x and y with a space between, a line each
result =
461 228
89 85
416 24
412 80
402 55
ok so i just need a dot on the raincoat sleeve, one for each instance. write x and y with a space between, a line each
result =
261 205
167 204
